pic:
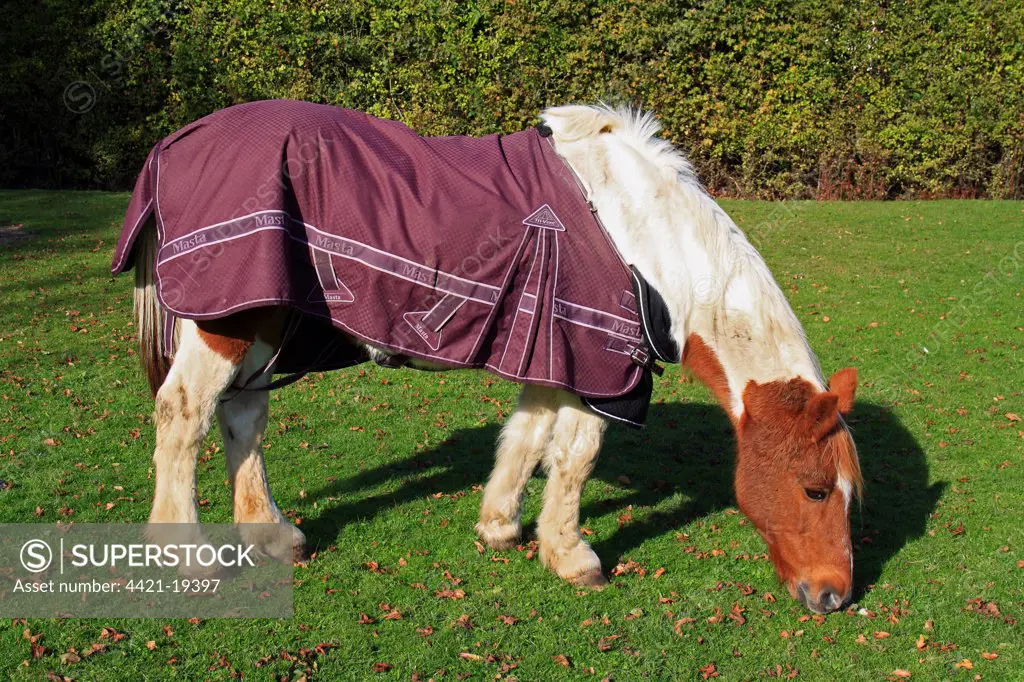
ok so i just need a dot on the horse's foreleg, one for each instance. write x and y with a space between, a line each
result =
569 459
185 404
520 447
242 421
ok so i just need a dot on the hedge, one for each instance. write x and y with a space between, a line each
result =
858 99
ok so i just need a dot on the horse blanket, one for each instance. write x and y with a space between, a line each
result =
471 252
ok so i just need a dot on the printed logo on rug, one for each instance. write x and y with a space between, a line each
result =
544 218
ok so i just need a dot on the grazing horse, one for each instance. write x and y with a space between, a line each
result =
698 293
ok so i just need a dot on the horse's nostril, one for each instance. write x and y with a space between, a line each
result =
828 600
801 594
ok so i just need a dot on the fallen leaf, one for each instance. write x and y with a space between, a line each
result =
382 667
112 634
681 622
900 672
708 671
965 664
562 660
449 594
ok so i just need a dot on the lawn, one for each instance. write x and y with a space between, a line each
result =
383 469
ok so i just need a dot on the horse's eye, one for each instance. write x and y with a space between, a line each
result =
816 494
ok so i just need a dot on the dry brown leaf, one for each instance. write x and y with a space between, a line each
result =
449 594
562 660
463 621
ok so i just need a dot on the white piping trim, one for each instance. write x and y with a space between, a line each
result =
551 318
593 310
609 415
643 321
515 318
543 253
590 326
131 234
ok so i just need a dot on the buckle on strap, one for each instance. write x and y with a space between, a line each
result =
640 355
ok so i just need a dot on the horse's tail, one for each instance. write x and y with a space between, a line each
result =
149 316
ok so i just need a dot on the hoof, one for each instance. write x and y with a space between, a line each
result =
280 541
301 554
593 579
498 535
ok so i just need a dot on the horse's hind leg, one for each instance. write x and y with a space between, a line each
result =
242 421
569 459
185 404
520 447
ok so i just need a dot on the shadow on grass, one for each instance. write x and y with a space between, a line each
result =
686 449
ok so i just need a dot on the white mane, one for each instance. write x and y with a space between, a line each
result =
663 221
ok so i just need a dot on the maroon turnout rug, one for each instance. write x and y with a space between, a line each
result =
472 252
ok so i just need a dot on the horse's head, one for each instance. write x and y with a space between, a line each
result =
796 473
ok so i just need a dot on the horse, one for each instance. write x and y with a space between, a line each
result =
701 292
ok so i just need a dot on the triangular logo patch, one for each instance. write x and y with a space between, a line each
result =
544 218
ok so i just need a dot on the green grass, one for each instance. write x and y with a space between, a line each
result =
386 466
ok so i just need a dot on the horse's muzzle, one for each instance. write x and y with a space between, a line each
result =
826 601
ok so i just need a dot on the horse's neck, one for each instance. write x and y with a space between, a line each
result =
714 282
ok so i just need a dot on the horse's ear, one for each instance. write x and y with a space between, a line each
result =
821 414
844 384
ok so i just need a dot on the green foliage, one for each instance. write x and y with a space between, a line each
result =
776 98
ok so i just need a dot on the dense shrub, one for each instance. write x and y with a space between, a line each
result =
794 98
